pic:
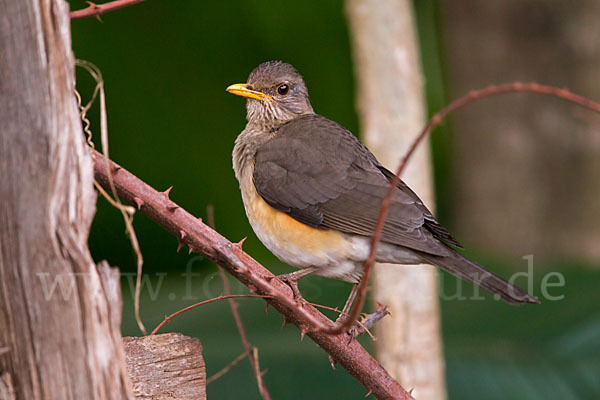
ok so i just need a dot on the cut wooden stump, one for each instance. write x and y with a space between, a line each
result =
168 366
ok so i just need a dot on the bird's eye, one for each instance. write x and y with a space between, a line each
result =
283 89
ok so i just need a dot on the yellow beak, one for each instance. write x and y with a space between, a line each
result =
241 89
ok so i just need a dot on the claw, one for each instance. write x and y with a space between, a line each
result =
291 281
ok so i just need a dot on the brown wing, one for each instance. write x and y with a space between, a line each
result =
317 172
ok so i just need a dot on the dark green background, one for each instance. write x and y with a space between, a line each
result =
166 65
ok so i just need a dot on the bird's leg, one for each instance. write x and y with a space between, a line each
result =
292 278
348 306
367 321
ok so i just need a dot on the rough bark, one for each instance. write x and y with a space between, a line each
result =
526 168
391 107
168 366
63 341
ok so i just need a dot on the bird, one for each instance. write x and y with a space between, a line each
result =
312 193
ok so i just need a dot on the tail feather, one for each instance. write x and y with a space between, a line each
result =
470 271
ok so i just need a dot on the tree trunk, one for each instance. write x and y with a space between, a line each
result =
60 322
527 167
391 106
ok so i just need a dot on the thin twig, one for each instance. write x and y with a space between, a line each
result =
493 90
227 368
94 10
337 310
238 320
231 296
258 372
190 231
126 211
129 209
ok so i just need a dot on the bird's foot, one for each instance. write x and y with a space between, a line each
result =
292 281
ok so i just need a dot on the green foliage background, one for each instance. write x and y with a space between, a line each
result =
166 65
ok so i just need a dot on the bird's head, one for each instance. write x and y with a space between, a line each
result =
276 94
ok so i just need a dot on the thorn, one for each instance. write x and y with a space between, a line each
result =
200 219
180 244
114 168
410 391
303 331
332 363
138 202
172 207
182 234
266 308
369 393
190 250
166 192
240 243
252 288
285 321
263 372
268 278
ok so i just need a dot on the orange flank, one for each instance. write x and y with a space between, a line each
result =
278 224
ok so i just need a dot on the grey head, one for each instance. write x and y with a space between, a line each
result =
276 94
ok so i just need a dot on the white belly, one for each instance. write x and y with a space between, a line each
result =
336 254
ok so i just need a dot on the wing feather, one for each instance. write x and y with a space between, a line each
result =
320 174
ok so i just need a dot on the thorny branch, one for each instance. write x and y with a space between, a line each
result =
199 237
94 10
493 90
